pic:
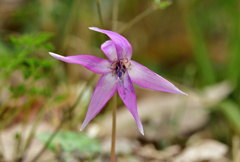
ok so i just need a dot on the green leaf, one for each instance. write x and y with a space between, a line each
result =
42 37
45 91
14 40
71 141
164 4
232 114
4 49
18 90
33 90
32 40
60 97
49 47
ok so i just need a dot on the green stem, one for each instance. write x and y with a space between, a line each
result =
2 150
234 48
235 148
50 138
18 141
33 129
200 51
63 121
100 14
14 114
4 108
137 18
231 112
69 24
114 128
115 15
79 116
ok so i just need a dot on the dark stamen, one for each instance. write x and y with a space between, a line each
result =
119 74
120 67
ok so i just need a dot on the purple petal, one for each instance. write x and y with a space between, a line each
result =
95 64
123 47
145 78
109 49
127 94
104 90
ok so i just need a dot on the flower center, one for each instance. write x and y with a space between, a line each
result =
120 67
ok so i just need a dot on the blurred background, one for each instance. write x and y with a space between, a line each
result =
43 101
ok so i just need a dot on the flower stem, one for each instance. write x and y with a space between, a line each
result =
114 128
137 18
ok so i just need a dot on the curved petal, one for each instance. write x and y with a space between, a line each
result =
123 47
104 90
145 78
109 49
95 64
127 94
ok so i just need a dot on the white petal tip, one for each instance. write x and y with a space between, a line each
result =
50 53
54 55
182 93
141 130
82 128
83 125
93 28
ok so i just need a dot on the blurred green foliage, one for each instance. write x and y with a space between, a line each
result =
71 141
24 73
216 23
23 57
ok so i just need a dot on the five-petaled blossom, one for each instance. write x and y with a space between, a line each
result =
118 74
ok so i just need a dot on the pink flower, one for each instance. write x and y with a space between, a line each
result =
118 74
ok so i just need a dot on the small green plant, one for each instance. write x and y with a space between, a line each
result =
71 141
24 74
